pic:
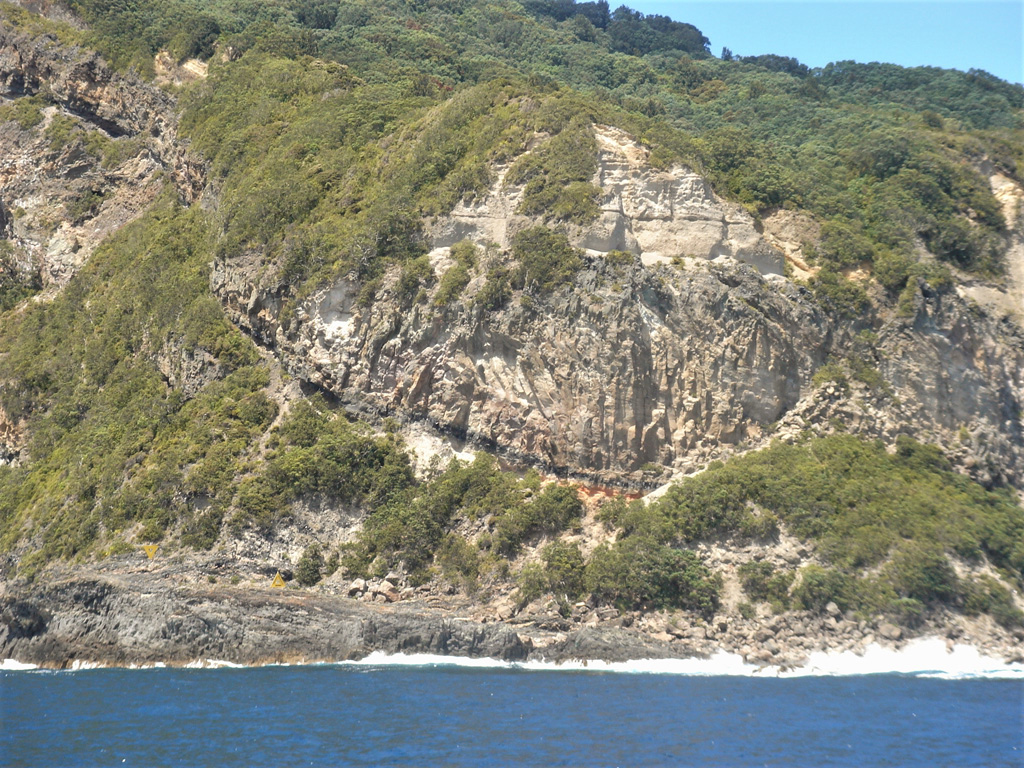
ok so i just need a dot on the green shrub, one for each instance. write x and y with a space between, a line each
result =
531 583
923 573
637 572
763 584
986 595
459 560
840 295
820 586
841 246
620 259
411 526
831 373
259 505
759 524
546 259
496 291
455 280
202 531
309 569
415 274
893 270
551 511
557 175
906 610
564 568
26 111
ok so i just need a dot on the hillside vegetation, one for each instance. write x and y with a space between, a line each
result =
332 132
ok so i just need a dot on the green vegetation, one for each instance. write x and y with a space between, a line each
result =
551 511
455 280
309 569
561 572
27 112
899 516
876 151
639 572
34 24
557 175
413 525
114 450
763 584
15 283
316 452
546 260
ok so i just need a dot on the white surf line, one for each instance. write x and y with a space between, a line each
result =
922 657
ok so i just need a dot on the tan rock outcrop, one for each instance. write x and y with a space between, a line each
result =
656 214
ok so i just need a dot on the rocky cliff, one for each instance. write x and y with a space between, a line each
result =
697 348
88 153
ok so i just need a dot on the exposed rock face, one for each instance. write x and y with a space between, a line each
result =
654 214
92 163
642 364
187 369
140 618
116 623
625 368
11 439
656 362
63 202
170 72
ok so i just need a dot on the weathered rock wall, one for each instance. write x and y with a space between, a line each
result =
699 348
655 214
62 191
665 364
121 105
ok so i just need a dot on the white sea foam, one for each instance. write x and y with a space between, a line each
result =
10 665
925 657
381 659
78 665
213 664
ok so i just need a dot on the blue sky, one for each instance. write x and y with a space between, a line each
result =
985 34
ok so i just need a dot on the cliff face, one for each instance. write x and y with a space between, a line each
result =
87 157
698 348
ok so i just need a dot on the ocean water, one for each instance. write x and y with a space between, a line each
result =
425 714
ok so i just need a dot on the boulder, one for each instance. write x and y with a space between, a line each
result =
890 631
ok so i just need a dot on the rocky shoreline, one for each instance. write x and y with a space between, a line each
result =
142 618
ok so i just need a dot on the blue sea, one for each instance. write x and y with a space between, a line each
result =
367 715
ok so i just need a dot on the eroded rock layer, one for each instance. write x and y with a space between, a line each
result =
668 364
